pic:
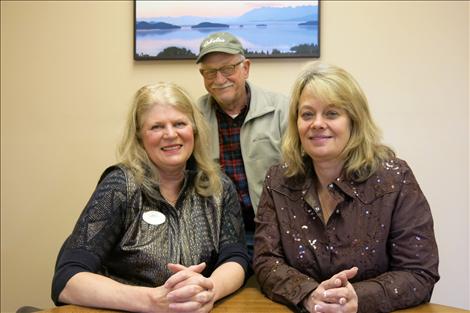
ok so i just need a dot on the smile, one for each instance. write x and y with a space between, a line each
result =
171 148
320 137
223 86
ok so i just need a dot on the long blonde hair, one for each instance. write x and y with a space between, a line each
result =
132 153
330 84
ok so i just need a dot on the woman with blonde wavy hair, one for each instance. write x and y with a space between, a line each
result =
163 230
132 153
342 225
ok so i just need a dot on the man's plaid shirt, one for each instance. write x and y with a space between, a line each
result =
231 160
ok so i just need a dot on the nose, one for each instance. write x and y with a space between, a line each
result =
219 77
169 132
318 122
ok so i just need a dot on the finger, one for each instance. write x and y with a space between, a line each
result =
327 308
187 277
205 296
201 297
350 273
185 293
178 278
345 275
198 268
189 306
206 307
333 282
199 280
335 295
174 268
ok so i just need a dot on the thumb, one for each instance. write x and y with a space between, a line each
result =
175 268
350 273
346 275
198 268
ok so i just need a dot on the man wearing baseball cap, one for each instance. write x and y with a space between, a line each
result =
246 122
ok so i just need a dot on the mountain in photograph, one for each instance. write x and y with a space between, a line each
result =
157 25
259 15
210 25
279 14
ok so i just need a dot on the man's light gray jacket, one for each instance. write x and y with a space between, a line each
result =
260 134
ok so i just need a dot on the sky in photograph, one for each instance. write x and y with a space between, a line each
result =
149 9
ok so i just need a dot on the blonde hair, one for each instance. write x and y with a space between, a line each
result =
330 84
132 153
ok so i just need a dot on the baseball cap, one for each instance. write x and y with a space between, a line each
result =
220 42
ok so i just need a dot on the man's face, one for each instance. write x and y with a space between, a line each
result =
224 77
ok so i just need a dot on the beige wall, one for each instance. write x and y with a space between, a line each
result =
67 77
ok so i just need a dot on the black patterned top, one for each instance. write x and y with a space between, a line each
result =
130 237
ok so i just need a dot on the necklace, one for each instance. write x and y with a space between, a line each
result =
326 203
171 200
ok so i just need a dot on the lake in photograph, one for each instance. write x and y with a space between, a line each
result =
169 29
281 36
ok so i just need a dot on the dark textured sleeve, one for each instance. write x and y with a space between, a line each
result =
413 269
232 246
95 233
278 280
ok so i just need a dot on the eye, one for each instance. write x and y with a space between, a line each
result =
208 73
228 69
156 127
332 114
180 124
306 115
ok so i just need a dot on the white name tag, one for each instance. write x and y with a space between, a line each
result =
154 217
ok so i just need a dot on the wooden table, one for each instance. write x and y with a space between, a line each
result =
249 299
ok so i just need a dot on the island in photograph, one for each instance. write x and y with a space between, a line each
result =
174 29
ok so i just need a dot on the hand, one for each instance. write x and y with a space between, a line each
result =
334 295
158 300
190 291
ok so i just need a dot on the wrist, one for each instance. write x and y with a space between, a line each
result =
215 290
301 307
155 299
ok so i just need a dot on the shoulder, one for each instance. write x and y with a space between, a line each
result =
393 169
276 178
391 176
113 173
276 171
118 176
269 97
227 183
203 101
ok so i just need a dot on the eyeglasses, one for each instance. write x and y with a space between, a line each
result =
226 70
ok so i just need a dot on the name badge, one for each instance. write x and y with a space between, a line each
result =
154 217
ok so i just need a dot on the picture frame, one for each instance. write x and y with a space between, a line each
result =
173 30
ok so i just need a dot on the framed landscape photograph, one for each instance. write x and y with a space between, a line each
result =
171 30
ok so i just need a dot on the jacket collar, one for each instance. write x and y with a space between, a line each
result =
379 184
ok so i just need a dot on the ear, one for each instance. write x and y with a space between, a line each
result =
246 68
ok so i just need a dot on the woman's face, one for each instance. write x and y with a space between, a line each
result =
167 137
324 129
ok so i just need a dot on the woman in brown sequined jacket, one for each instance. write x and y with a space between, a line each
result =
163 230
342 225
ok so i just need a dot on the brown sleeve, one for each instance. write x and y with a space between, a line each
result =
413 267
278 280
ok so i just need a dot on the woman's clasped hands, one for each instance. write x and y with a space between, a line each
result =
336 295
188 290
